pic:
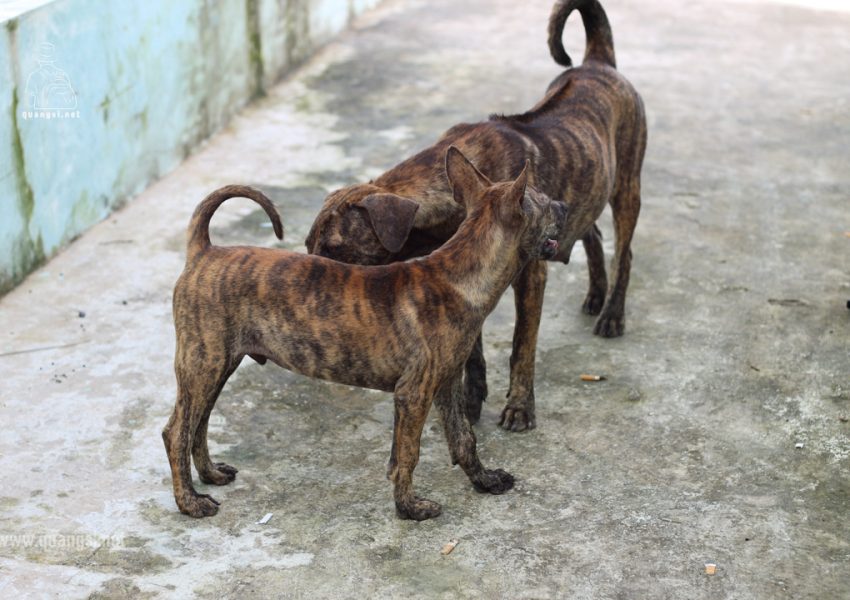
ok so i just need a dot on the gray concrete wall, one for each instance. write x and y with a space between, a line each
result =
99 100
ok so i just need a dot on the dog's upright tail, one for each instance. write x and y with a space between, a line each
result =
199 227
600 43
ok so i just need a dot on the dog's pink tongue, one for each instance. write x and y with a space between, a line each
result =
552 244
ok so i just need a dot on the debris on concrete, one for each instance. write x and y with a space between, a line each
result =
710 568
449 547
586 377
266 518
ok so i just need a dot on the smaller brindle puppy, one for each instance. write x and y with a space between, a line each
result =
405 327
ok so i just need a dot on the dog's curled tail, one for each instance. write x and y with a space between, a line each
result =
599 43
199 226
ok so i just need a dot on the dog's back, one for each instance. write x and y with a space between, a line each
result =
590 125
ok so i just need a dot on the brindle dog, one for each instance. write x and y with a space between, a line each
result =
404 327
585 140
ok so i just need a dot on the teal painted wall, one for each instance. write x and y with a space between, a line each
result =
131 88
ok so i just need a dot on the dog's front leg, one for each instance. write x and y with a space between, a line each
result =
462 443
411 411
529 286
475 381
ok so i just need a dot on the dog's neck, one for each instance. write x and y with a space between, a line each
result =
480 261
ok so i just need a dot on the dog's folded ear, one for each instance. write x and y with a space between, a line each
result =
467 182
391 217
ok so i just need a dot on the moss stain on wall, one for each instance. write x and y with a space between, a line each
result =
29 253
255 47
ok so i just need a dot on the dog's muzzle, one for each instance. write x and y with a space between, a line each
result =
549 250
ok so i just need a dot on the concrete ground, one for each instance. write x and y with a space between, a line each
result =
720 435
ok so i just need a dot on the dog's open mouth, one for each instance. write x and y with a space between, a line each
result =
549 249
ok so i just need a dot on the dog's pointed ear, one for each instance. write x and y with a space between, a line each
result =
391 217
467 182
516 193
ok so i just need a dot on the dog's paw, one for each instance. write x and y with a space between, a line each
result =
496 481
418 509
610 326
220 474
199 505
517 418
593 303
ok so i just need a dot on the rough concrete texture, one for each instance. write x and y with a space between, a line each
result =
718 437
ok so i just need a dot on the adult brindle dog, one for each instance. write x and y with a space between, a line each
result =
405 327
585 141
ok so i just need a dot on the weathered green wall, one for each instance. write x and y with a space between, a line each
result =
150 79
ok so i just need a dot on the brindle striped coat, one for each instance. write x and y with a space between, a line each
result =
404 327
585 141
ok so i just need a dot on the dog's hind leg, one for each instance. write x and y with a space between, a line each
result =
196 394
592 241
626 206
208 471
463 445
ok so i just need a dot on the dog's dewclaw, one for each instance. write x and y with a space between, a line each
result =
586 377
447 549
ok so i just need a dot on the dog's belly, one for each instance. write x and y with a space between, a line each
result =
356 363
